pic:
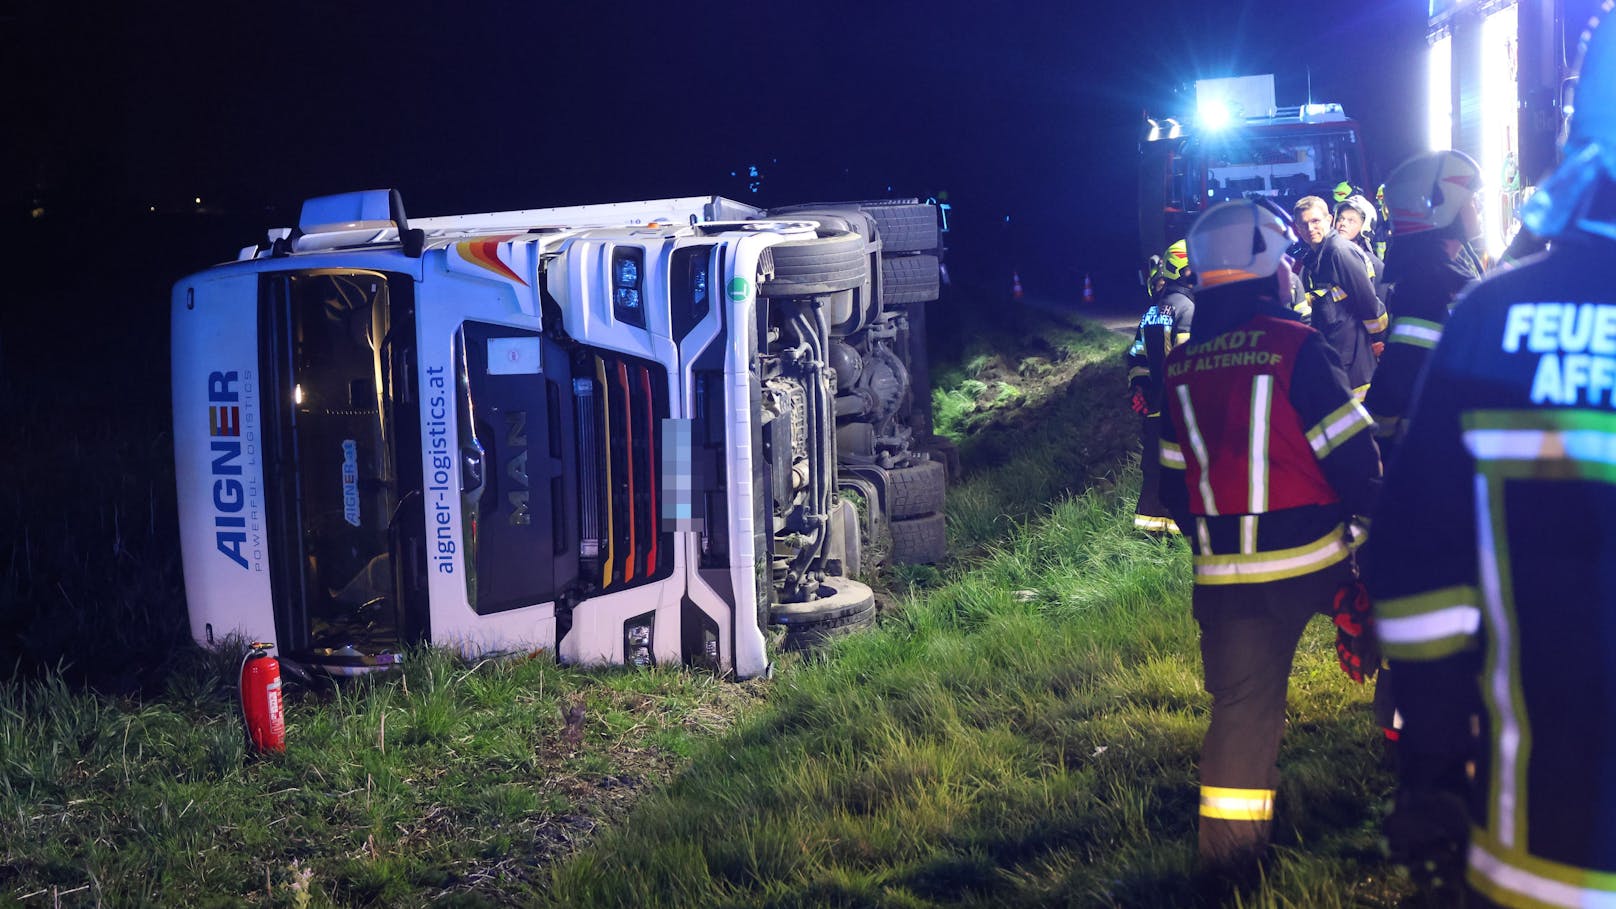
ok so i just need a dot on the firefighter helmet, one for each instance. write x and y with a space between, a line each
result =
1427 192
1588 155
1175 263
1360 205
1239 240
1342 191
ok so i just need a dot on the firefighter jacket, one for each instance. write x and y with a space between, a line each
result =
1164 325
1377 279
1428 281
1493 554
1266 454
1340 301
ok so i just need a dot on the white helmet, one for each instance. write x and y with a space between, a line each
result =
1239 240
1362 206
1428 191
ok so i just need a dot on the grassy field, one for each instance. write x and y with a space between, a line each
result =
1021 733
1020 729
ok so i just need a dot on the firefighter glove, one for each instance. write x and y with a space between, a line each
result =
1137 401
1355 645
1427 831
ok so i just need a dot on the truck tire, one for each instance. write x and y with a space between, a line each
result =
845 605
919 541
915 491
909 279
906 227
830 263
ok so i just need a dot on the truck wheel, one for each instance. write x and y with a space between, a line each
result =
905 226
909 279
808 635
919 541
915 491
830 263
844 605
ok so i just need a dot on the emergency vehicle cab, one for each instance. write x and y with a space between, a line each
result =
1237 145
607 431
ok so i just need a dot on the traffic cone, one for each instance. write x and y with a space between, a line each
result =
1088 289
1015 285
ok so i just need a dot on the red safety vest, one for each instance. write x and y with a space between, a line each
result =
1245 450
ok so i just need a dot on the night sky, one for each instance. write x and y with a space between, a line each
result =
1026 110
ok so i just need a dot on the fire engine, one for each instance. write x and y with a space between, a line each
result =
1238 144
1499 78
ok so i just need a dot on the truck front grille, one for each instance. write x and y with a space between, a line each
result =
620 411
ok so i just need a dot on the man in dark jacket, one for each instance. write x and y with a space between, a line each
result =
1340 295
1164 325
1265 457
1494 551
1433 199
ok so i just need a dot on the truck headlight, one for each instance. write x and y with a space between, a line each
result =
626 271
639 644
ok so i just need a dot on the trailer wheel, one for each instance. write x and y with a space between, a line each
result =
844 605
905 226
919 541
830 263
915 491
909 279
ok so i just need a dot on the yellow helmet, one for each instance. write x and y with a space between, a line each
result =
1175 262
1342 191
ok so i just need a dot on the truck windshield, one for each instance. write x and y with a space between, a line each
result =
1284 164
344 474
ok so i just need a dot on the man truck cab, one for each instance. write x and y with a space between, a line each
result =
608 431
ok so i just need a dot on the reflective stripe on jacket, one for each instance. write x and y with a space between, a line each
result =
1266 454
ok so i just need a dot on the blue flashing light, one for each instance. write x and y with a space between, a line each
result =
1214 114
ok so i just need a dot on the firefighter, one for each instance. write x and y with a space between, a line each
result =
1493 553
1340 296
1355 222
1165 324
1265 457
1435 204
1385 231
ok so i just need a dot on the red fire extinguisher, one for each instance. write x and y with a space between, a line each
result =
261 698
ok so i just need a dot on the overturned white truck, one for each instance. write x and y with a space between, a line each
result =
628 433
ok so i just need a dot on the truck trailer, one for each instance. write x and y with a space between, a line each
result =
633 433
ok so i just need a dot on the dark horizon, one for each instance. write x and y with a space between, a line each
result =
1026 118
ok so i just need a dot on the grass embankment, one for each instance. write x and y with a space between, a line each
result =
1023 734
1023 727
445 784
1033 408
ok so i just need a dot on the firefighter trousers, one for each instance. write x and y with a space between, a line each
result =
1150 514
1249 634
